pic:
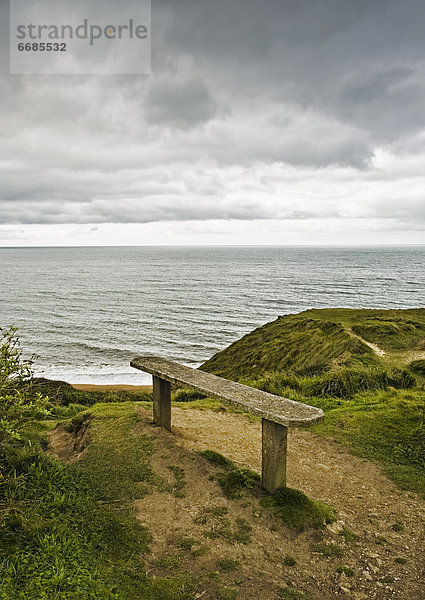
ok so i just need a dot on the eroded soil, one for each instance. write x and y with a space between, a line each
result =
388 523
238 545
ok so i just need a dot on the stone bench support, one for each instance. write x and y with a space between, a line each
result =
273 471
277 413
162 402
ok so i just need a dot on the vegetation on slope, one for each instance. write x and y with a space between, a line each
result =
373 395
68 528
317 341
292 506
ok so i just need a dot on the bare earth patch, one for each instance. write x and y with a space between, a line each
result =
68 447
374 347
386 555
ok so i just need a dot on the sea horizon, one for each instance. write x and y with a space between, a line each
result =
83 312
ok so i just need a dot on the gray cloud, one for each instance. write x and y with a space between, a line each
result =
289 109
179 102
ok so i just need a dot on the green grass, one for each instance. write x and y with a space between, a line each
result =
373 404
63 394
316 341
227 594
297 510
388 426
348 535
342 383
228 565
117 462
218 525
286 345
328 550
56 538
232 480
218 459
68 531
418 366
187 395
390 333
179 481
292 507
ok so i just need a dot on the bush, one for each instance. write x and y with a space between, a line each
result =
18 402
14 371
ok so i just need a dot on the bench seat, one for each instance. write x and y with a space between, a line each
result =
277 413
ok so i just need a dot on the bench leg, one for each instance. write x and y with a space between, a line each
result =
162 402
274 455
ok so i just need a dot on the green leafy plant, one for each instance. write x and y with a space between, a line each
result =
18 402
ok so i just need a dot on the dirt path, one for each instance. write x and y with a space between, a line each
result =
388 563
404 357
374 347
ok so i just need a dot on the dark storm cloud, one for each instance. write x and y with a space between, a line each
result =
361 62
253 111
179 102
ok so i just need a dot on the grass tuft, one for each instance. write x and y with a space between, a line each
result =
297 510
328 550
228 565
418 366
227 593
345 570
187 395
217 459
348 535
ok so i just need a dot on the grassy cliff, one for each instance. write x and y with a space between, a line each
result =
320 340
117 509
364 368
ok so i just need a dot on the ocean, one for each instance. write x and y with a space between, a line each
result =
83 313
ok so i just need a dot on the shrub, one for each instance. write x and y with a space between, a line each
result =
14 371
18 402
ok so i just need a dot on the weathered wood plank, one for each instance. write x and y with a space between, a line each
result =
273 473
267 406
162 402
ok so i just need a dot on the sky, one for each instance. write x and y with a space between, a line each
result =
274 122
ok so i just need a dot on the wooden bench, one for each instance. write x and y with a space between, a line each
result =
277 413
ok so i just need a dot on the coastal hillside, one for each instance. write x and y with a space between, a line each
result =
364 368
320 340
99 504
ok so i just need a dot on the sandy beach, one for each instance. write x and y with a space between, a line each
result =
91 387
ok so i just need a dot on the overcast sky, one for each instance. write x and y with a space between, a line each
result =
274 122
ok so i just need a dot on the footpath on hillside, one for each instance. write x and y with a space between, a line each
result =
374 550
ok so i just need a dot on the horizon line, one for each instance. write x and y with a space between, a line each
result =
399 245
